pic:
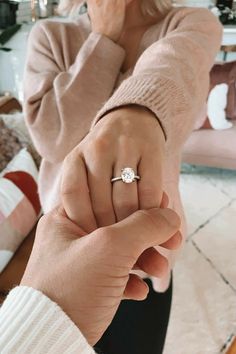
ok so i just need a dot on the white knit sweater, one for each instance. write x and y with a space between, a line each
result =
30 323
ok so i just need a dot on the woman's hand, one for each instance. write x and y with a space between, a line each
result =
107 17
127 137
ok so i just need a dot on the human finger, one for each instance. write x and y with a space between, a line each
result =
144 229
75 193
99 180
136 288
150 190
125 195
153 263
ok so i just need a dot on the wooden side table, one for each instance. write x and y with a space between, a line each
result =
227 49
228 43
232 349
9 104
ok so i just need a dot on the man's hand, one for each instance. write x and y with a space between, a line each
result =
88 275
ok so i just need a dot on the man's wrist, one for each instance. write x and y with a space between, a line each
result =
29 306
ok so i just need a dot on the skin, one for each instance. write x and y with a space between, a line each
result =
134 25
130 136
99 236
118 140
87 248
88 275
126 28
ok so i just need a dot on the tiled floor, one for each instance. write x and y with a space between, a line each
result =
203 319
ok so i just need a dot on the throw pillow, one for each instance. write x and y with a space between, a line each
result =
221 100
216 107
13 137
19 204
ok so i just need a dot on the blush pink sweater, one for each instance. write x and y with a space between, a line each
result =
73 77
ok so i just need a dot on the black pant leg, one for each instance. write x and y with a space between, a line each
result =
138 327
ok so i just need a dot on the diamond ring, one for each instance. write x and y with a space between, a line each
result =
127 176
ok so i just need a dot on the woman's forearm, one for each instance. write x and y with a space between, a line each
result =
171 78
61 99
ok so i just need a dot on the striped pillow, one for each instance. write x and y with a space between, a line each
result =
19 204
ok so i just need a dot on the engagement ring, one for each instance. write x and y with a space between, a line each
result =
127 176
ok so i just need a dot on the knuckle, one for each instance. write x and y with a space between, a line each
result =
105 233
71 158
68 189
126 140
45 220
101 144
71 188
54 220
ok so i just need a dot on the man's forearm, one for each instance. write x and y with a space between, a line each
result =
31 323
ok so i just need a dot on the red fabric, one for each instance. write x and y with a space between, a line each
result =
26 183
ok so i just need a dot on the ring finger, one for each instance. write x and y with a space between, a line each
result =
125 195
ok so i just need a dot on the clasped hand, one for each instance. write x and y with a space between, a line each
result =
128 137
84 253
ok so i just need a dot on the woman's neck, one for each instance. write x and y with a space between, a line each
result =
136 18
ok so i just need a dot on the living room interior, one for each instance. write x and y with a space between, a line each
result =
205 272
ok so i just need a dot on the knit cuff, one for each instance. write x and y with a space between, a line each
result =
31 323
114 52
160 95
109 55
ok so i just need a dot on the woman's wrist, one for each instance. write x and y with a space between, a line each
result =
132 112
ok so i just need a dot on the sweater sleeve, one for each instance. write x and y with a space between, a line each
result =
61 100
171 78
31 323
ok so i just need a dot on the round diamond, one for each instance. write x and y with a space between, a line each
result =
127 175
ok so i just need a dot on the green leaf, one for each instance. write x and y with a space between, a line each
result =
8 33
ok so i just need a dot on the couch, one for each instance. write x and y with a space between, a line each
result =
216 148
213 148
14 137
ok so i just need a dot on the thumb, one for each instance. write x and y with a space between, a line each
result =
144 229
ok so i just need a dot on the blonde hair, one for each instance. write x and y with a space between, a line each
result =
150 7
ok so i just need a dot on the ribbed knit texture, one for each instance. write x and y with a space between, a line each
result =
153 96
73 78
30 323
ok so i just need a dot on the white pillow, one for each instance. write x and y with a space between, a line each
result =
216 105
